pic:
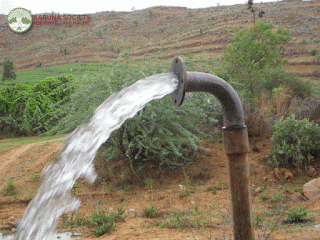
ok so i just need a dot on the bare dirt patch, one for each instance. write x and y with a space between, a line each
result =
209 172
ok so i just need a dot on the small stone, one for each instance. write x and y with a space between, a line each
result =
311 171
193 202
181 187
258 190
317 226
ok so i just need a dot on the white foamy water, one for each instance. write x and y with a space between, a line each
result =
80 147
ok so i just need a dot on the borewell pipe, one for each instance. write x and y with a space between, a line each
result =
235 138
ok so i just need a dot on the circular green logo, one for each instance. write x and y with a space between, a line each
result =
19 20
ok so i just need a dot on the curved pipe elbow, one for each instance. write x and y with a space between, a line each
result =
223 91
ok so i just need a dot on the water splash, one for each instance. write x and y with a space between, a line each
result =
76 156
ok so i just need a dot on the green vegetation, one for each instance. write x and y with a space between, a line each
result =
150 11
313 52
101 222
8 70
63 50
296 214
10 189
99 32
159 131
150 182
150 212
27 109
295 142
190 14
136 22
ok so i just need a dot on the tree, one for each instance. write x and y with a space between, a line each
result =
8 70
255 49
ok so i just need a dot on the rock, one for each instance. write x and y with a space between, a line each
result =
294 197
311 171
312 189
277 173
287 174
258 190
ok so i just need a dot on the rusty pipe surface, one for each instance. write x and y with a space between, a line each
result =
235 138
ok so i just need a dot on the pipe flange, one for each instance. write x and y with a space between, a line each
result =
178 67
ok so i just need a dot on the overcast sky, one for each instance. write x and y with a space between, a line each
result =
93 6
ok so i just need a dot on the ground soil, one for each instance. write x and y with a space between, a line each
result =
22 164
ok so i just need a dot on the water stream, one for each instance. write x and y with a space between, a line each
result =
76 156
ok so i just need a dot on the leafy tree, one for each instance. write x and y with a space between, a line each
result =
8 70
256 48
252 52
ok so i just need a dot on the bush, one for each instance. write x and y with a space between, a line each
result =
150 212
27 108
251 55
135 22
10 189
296 214
150 12
295 142
8 70
160 133
190 14
103 223
313 52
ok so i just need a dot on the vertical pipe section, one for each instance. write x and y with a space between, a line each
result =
235 137
237 148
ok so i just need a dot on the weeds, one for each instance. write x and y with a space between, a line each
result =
10 189
150 212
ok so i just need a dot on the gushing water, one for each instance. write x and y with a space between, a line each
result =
42 214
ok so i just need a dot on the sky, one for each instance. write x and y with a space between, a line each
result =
93 6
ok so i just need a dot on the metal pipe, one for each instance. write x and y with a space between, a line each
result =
235 138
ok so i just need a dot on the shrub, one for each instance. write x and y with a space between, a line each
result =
313 52
160 133
103 223
28 108
8 70
10 189
252 53
295 142
190 14
63 50
150 12
135 22
296 214
99 32
150 212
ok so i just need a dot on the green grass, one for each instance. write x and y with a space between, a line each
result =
27 140
33 76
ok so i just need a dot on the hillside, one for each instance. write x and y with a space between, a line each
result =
169 32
